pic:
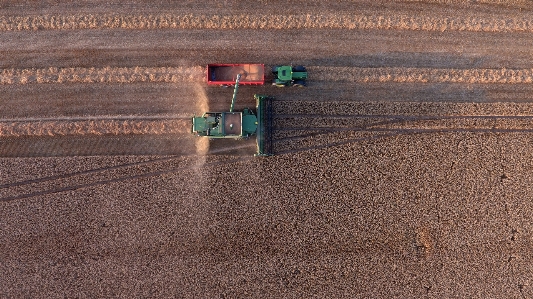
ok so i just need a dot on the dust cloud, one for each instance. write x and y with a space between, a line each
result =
202 105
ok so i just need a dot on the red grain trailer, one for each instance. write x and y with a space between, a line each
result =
225 74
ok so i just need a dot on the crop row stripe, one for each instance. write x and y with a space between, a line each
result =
102 75
301 21
420 75
318 73
93 127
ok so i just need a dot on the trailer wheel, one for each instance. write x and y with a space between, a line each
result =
299 83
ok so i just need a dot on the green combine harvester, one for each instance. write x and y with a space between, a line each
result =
286 75
239 125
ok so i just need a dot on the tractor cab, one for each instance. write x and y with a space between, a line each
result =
286 75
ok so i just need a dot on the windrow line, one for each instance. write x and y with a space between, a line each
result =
102 75
420 75
290 21
317 73
92 127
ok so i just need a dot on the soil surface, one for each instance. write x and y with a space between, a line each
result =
403 169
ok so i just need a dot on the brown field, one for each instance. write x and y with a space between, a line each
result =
404 169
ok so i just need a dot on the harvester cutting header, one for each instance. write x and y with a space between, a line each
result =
246 123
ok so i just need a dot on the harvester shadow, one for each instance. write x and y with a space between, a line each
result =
321 132
244 147
336 144
381 130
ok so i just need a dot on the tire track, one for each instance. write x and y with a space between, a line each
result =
264 21
341 137
102 75
331 137
507 3
100 176
85 172
334 108
421 75
400 116
67 127
72 181
326 130
314 119
304 133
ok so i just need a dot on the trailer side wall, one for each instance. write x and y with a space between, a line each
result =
226 74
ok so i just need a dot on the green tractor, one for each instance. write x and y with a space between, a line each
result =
239 125
286 75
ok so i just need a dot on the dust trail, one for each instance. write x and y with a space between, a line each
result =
202 105
201 100
198 208
422 75
93 127
397 21
201 143
202 148
102 75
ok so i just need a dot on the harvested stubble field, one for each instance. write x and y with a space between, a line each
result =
403 170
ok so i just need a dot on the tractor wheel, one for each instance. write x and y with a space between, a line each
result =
299 83
278 84
299 68
275 69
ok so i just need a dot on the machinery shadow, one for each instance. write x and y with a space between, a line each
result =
244 147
